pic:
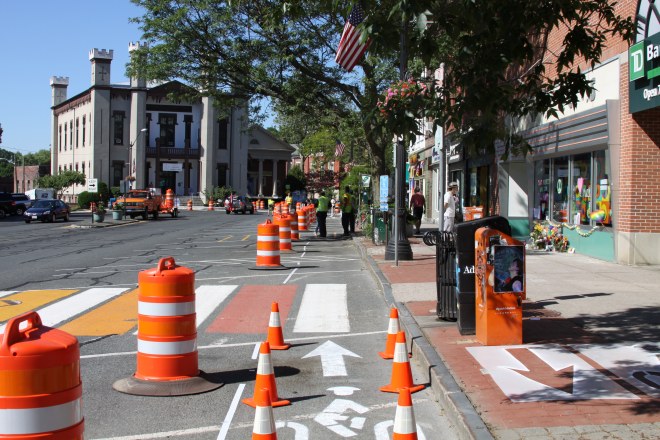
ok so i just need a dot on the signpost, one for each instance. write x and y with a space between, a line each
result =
93 185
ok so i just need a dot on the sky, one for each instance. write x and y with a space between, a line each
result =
40 39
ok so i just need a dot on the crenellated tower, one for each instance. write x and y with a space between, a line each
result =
138 120
100 59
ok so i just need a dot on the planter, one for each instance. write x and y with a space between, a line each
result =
117 215
98 218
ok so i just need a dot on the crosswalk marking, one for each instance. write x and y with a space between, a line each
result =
30 300
324 309
73 305
118 316
208 298
249 311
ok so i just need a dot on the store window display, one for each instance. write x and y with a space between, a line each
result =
560 188
581 196
541 189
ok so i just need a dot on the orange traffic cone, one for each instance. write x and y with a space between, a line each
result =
401 373
405 427
265 379
392 330
275 337
264 425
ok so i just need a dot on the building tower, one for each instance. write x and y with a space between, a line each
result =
58 86
100 102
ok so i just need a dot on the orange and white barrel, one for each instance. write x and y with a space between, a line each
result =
293 219
284 223
262 204
190 205
302 220
298 206
40 390
169 199
285 209
211 205
167 331
268 244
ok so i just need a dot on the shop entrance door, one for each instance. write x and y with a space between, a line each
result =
167 181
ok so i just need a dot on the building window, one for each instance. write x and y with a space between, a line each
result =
167 122
83 168
77 128
222 174
117 172
541 189
118 126
76 166
59 139
187 119
223 128
83 131
71 134
147 133
65 132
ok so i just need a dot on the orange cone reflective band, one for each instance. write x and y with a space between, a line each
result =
275 337
302 220
405 427
266 378
264 424
40 387
295 236
392 330
285 208
285 232
167 332
268 244
401 373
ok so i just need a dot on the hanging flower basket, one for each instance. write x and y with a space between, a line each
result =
403 105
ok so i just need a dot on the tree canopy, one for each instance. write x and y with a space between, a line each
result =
493 52
60 182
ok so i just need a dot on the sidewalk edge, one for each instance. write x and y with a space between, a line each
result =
450 395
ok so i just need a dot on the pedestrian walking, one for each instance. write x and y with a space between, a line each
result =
347 213
417 204
450 207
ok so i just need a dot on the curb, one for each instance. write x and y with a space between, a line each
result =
448 393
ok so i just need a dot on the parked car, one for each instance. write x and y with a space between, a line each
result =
23 202
7 205
240 204
47 210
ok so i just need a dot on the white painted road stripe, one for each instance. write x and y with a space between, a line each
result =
324 309
230 413
208 298
71 306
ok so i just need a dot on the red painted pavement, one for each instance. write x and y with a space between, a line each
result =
249 310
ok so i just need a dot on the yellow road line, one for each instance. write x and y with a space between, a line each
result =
118 316
226 238
245 238
14 305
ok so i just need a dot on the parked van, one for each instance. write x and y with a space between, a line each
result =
41 193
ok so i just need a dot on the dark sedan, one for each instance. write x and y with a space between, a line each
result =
47 210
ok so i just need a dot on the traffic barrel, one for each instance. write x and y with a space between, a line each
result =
167 358
268 247
40 390
302 220
293 219
190 205
262 204
211 205
284 223
405 427
169 199
401 372
285 208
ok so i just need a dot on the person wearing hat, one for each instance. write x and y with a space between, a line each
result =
450 207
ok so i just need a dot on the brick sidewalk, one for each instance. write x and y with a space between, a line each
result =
634 414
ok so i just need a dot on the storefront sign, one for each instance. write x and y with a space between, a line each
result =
644 74
455 154
176 167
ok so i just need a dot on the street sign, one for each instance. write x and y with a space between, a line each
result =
384 192
92 185
366 179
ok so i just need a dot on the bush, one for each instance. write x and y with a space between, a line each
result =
218 194
85 198
104 192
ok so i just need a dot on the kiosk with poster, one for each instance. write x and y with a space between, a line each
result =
500 283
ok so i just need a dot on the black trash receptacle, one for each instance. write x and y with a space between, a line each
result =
445 271
465 285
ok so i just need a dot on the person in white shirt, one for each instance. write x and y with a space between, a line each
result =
450 207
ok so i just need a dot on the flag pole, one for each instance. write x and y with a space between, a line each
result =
399 248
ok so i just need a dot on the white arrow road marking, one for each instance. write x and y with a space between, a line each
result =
333 414
302 433
588 383
343 391
332 358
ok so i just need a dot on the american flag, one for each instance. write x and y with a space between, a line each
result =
339 148
350 50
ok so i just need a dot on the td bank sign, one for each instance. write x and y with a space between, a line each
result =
644 74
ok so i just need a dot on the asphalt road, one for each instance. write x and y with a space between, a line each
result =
84 281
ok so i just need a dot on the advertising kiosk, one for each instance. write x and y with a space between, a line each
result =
500 282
